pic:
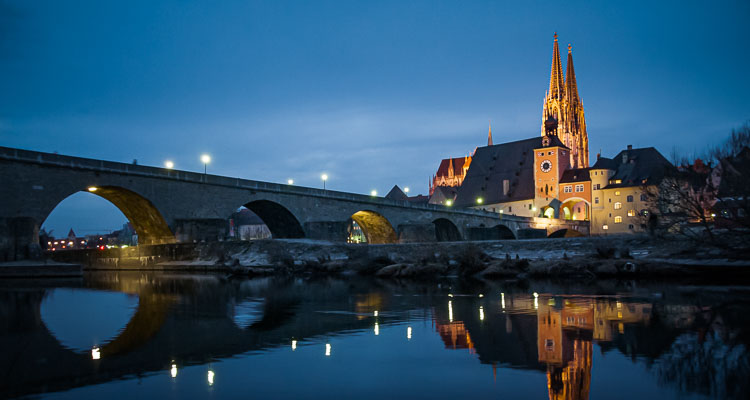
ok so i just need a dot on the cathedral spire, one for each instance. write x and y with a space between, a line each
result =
571 88
489 136
556 83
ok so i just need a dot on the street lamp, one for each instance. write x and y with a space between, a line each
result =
324 177
449 203
374 193
480 200
290 182
406 189
205 159
168 164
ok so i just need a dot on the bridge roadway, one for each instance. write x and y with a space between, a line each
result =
167 206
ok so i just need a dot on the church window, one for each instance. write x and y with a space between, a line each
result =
631 213
579 188
596 200
643 197
618 219
568 189
630 198
618 205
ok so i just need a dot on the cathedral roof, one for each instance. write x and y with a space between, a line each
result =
576 175
458 164
491 165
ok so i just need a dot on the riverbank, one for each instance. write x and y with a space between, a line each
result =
628 257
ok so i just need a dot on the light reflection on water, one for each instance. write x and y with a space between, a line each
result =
186 336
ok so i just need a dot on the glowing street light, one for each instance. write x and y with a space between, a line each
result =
93 189
449 203
480 200
205 159
406 189
324 177
168 164
290 182
374 193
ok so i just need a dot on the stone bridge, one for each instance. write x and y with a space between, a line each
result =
167 206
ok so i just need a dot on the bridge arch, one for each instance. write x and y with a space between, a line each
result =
503 232
148 222
377 228
446 230
280 221
565 233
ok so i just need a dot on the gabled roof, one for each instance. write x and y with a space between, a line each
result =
576 175
491 165
396 194
458 164
604 163
636 167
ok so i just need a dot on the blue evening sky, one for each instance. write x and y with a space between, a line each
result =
372 93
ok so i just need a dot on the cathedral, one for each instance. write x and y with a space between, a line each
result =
563 105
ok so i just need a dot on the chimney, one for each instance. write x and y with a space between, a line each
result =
630 147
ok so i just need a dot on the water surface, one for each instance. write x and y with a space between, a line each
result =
126 335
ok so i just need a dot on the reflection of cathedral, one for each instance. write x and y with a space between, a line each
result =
566 329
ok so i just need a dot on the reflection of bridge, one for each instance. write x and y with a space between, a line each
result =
166 206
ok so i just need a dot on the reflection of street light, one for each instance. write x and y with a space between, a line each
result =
173 370
95 352
168 164
210 378
324 177
328 349
290 182
205 159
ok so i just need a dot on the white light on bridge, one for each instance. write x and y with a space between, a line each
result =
168 164
205 159
95 353
480 200
324 177
294 345
93 189
173 370
406 189
328 349
449 203
408 332
210 377
374 193
290 182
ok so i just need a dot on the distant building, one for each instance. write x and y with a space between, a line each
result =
450 173
399 195
246 225
444 195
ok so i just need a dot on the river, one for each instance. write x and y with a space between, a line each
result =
144 335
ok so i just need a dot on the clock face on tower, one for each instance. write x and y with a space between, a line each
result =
546 165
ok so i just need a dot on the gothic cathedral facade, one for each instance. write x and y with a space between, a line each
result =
563 106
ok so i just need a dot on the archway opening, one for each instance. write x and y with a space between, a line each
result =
576 209
280 221
446 231
503 232
549 212
565 233
83 220
247 225
376 228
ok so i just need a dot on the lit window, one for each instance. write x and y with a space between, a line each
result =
605 227
618 181
618 205
630 199
631 213
618 219
617 192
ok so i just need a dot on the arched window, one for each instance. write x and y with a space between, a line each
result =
618 219
618 205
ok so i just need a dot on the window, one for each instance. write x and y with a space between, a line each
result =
549 344
541 154
595 173
568 189
645 213
529 206
618 219
630 226
550 153
597 186
618 205
631 213
618 181
605 227
617 192
596 200
643 197
610 200
630 199
579 188
510 208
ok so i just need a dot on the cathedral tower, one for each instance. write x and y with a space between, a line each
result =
563 104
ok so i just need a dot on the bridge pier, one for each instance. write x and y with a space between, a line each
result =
333 231
19 239
416 233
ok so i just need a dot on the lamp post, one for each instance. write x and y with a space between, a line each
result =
168 164
205 159
324 177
